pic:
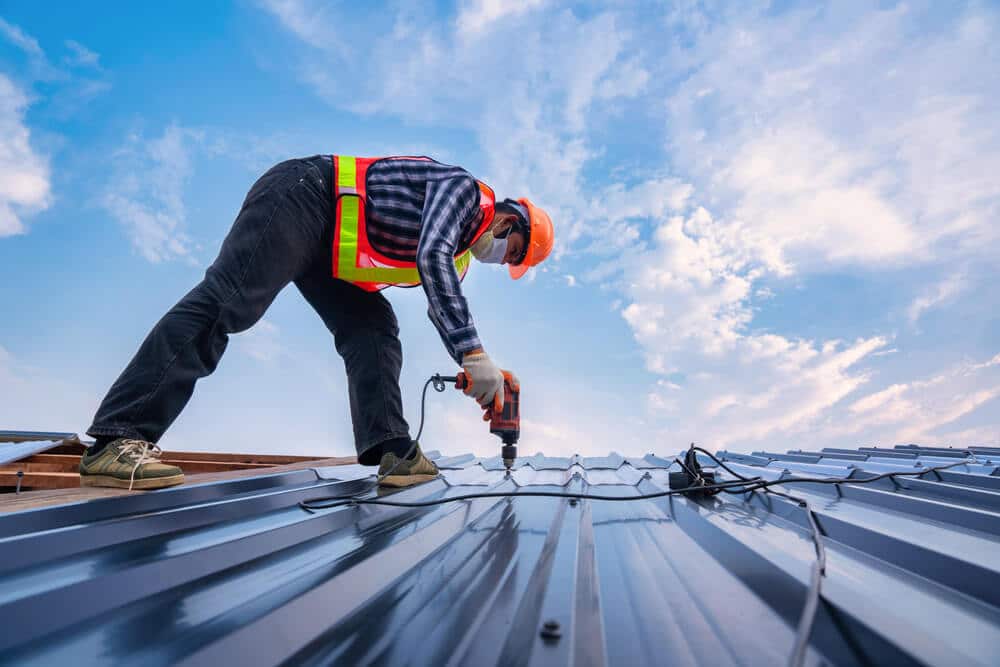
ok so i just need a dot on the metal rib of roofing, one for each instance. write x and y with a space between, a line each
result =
16 445
236 572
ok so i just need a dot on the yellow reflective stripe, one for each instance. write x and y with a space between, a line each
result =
348 248
347 169
380 274
462 262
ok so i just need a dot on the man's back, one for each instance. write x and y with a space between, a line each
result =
397 191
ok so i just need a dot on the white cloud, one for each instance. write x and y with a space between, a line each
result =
689 306
81 56
262 342
936 295
922 410
652 198
802 194
839 138
475 15
25 185
25 175
846 135
570 280
984 436
38 65
146 194
309 21
530 106
820 143
21 39
692 283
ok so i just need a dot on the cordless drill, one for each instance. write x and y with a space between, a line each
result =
505 423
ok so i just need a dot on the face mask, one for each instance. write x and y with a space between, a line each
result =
489 250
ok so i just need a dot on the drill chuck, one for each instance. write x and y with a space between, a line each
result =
509 454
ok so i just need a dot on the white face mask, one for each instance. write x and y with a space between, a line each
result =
489 250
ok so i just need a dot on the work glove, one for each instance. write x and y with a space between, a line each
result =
485 380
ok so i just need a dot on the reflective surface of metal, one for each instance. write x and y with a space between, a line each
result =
236 572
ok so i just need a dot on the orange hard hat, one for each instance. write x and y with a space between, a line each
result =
540 239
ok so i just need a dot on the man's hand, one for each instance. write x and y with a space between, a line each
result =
485 380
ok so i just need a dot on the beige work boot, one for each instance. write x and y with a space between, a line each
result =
395 471
128 464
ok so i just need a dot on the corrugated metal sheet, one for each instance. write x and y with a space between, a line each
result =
16 445
237 573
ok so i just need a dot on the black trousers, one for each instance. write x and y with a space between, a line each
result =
283 234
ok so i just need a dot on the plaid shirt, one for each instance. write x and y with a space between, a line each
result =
423 211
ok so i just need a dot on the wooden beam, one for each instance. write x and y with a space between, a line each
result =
74 493
32 466
40 480
214 466
271 459
189 461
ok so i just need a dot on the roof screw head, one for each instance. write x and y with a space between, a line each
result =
551 630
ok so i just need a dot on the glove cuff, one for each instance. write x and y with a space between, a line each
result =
473 355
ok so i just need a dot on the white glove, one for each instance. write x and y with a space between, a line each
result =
485 379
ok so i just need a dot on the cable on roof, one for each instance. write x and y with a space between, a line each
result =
699 484
438 387
741 485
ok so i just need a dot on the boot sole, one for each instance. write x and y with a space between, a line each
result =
406 480
140 484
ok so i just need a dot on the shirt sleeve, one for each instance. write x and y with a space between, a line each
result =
449 204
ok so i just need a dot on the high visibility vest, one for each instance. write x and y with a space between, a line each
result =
354 258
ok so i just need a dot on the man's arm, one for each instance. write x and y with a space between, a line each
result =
448 205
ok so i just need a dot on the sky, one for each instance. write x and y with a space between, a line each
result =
776 222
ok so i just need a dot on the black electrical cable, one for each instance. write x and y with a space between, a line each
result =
439 387
807 617
741 485
813 594
811 606
438 383
328 502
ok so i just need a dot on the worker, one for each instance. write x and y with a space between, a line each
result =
342 229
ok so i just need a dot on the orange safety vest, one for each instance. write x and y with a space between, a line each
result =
354 258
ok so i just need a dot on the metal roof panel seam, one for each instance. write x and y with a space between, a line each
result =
235 571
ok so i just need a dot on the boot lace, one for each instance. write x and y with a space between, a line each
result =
139 453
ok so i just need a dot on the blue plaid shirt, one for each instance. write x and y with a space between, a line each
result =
423 211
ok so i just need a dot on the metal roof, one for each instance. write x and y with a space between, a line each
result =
236 572
16 445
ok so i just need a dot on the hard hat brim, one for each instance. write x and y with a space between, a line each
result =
517 271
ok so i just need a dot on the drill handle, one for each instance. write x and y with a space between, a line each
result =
511 392
511 384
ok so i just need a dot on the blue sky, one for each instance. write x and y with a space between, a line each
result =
776 222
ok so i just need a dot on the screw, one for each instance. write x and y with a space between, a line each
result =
550 630
573 502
